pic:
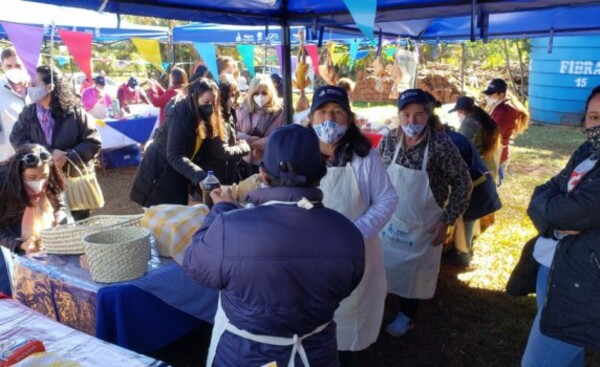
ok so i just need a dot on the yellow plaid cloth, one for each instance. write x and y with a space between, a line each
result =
46 360
173 227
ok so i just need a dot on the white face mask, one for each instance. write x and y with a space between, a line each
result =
17 76
36 94
490 100
412 130
36 186
261 100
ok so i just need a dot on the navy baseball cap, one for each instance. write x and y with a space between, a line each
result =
329 93
132 82
496 86
463 103
413 96
100 80
297 145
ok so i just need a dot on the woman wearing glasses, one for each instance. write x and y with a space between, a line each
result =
259 115
57 121
31 199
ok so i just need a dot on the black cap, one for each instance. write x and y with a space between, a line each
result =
463 103
413 96
100 80
297 145
496 86
132 82
330 93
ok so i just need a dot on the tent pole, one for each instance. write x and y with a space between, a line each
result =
462 69
286 53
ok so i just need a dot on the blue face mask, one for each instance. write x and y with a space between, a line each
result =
412 130
329 132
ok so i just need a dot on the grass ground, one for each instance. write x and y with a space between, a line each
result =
471 321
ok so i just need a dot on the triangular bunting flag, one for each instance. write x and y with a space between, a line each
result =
313 52
247 53
363 12
150 51
79 45
27 41
208 53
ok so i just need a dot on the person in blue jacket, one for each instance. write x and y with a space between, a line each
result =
282 267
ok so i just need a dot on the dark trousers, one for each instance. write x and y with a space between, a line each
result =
409 307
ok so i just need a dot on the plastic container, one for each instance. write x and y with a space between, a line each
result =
207 185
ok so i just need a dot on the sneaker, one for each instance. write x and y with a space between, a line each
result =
456 258
400 326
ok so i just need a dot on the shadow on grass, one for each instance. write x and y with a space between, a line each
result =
461 326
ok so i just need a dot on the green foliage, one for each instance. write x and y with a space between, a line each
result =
491 55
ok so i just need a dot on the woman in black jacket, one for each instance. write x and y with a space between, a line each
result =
57 121
222 156
168 174
565 210
31 199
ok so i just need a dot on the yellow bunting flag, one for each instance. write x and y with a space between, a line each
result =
337 57
150 51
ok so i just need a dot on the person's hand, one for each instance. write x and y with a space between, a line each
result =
252 139
243 144
31 246
222 195
257 145
60 158
568 232
439 231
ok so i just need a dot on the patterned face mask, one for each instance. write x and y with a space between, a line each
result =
329 132
412 130
593 136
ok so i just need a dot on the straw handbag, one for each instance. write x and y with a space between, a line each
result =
173 227
83 191
67 239
118 254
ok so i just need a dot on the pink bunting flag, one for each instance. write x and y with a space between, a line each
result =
27 41
79 45
313 52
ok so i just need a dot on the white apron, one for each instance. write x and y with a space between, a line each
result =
222 322
359 316
412 263
99 109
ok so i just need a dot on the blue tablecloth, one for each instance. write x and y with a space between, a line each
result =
142 315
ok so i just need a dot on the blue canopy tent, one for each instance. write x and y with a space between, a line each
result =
318 14
105 27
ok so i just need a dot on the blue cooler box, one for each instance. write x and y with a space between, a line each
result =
129 156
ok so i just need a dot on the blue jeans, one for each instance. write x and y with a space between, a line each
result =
4 276
542 350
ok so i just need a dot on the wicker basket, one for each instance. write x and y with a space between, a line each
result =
118 254
67 239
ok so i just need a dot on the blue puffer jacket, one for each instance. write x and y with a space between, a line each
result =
282 270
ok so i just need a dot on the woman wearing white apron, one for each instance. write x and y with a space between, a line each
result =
95 100
357 186
434 187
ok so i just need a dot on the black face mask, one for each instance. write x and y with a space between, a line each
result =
206 110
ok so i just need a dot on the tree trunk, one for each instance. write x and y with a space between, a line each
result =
512 79
523 97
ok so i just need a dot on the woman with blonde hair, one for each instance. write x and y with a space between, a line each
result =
168 174
259 115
